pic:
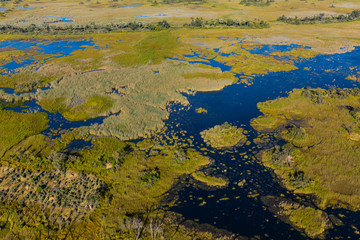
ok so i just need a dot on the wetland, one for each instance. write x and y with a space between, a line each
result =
203 127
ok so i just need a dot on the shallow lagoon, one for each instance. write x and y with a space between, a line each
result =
235 208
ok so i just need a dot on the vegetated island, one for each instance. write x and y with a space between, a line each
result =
322 135
225 135
313 222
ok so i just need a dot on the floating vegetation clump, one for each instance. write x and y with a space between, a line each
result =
201 110
209 180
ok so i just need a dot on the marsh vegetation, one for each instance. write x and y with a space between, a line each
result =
315 139
312 221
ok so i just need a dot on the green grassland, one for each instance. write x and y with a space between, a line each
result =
321 131
15 127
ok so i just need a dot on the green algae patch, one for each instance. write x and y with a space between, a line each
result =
225 135
321 130
15 127
209 180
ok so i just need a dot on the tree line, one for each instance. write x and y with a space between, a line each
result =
178 1
125 26
88 28
256 2
322 18
201 23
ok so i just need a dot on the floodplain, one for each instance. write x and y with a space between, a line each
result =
179 119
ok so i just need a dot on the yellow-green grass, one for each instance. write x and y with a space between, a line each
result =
210 75
93 107
297 53
261 123
22 77
311 220
224 135
6 56
209 180
15 127
327 155
151 49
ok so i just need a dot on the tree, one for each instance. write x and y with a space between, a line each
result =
58 160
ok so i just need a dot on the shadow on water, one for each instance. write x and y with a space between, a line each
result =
239 209
79 144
